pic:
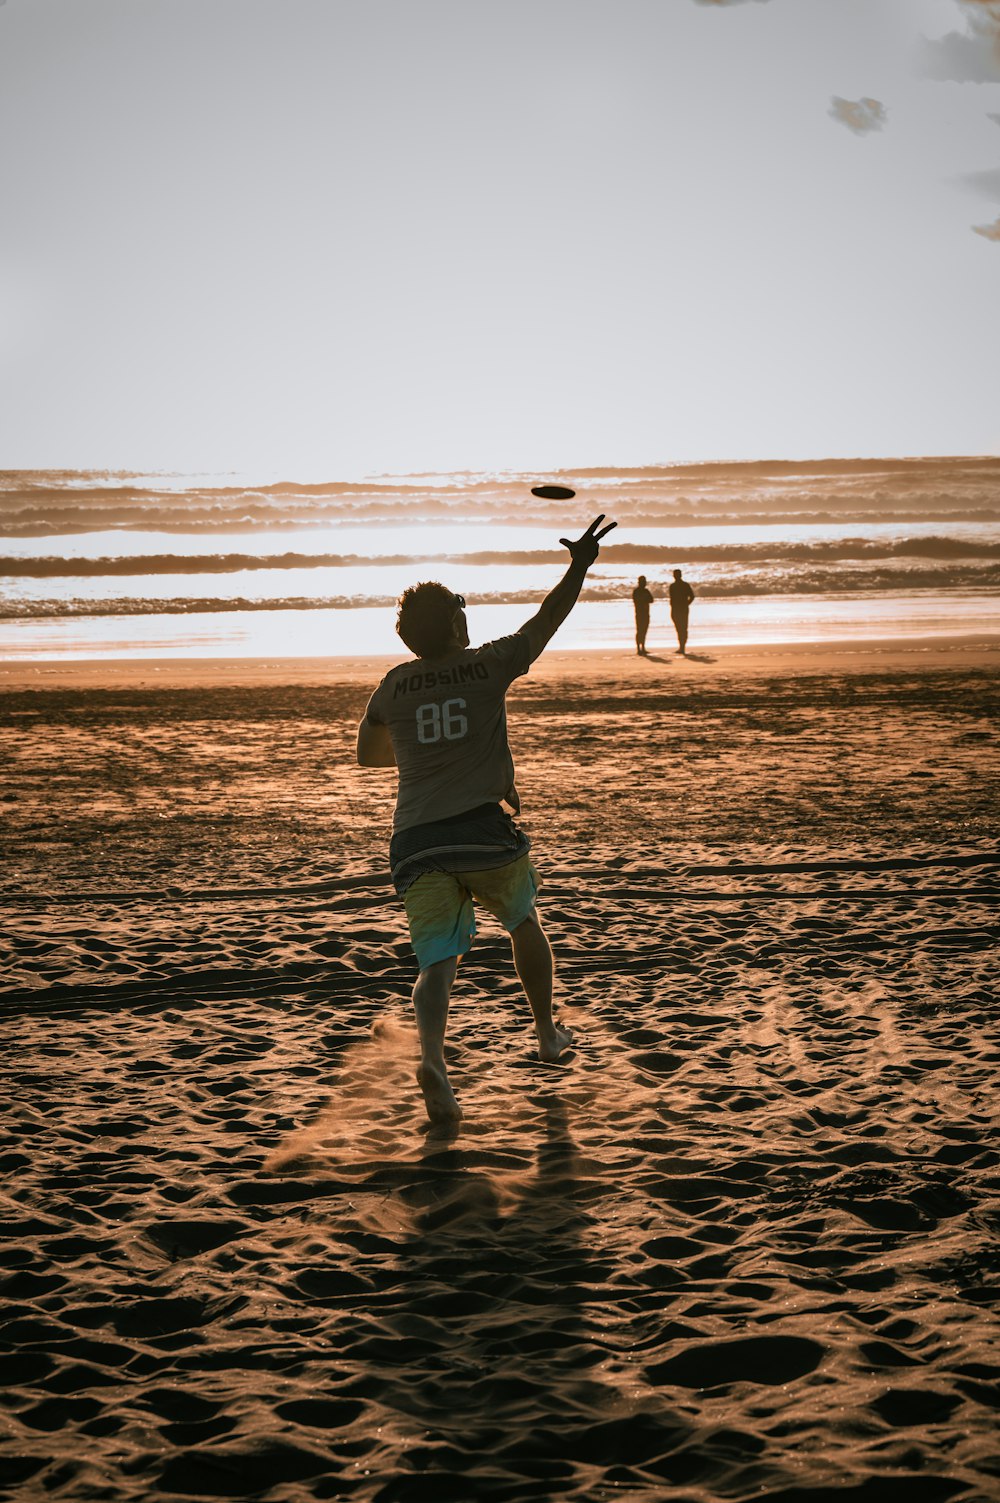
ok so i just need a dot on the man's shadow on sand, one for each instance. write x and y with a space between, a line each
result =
692 657
500 1250
501 1272
460 1187
489 1322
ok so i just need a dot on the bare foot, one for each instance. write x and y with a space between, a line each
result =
439 1098
551 1047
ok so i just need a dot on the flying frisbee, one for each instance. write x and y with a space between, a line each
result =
553 492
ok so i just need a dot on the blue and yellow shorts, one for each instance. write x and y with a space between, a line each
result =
439 907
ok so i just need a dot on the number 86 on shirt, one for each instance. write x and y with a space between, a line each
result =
435 721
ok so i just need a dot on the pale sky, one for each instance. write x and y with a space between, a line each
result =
322 238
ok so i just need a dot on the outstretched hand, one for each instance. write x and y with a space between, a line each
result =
586 548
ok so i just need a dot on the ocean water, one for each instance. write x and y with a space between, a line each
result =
105 566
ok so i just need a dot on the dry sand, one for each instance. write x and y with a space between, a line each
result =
742 1244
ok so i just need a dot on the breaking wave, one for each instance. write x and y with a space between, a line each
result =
984 579
840 549
857 528
39 503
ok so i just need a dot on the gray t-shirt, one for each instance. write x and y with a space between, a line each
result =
448 725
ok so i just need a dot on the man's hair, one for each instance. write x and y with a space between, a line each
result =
425 616
677 573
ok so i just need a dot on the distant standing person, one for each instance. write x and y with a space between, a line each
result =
642 599
681 596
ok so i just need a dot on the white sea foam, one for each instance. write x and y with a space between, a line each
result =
792 549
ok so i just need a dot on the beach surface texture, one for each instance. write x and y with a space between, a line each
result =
741 1244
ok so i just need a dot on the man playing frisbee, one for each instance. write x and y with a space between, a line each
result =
441 720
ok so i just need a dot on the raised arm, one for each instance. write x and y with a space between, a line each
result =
559 602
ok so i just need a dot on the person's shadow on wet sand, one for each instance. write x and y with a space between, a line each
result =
547 1199
499 1273
482 1278
692 657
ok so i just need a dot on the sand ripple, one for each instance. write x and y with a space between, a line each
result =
742 1245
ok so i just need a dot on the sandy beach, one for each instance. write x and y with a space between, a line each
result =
742 1244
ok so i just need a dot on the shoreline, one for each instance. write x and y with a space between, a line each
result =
877 655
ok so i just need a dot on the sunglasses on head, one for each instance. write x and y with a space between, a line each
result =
459 602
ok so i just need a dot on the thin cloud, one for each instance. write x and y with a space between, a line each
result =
985 182
972 55
859 115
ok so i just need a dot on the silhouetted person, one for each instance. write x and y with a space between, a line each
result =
642 599
681 596
440 719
